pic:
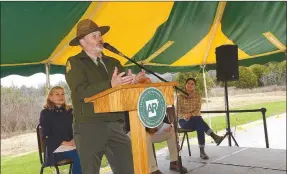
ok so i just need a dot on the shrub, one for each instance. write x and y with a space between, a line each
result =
20 107
19 112
247 79
229 83
258 70
275 74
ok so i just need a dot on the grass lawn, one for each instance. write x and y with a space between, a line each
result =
29 164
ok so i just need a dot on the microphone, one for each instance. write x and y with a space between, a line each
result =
111 48
114 50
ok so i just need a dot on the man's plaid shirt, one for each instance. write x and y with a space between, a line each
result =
188 104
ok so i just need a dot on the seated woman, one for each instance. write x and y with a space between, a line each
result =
189 116
56 121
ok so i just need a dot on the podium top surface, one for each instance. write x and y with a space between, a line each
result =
111 90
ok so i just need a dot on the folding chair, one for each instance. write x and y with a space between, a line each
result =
170 111
41 149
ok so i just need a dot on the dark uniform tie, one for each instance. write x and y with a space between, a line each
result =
101 67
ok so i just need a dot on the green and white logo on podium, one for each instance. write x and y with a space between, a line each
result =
151 107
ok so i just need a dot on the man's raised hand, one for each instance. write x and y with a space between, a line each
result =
116 78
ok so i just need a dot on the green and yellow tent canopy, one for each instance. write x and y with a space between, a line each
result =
163 36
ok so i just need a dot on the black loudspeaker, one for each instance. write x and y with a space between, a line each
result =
227 63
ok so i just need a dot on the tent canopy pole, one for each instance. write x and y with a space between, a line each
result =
47 67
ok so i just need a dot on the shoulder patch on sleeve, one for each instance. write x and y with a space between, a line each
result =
68 67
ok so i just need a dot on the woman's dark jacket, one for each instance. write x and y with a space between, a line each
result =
56 127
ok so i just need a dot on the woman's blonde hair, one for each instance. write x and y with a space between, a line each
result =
49 104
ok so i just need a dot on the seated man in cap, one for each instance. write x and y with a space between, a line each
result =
89 73
168 134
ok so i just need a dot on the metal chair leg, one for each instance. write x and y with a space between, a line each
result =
42 170
153 148
70 170
57 169
188 143
182 141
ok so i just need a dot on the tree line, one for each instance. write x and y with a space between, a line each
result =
20 107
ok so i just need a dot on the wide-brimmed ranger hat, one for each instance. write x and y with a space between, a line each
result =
86 27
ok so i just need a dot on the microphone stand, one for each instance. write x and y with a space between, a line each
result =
176 88
151 72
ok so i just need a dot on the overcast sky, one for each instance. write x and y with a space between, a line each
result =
40 79
31 81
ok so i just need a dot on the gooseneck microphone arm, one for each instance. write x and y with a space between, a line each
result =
114 50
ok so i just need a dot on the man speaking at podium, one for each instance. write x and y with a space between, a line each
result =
88 73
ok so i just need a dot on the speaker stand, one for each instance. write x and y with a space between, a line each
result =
228 131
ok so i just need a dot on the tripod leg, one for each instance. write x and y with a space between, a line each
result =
234 140
229 139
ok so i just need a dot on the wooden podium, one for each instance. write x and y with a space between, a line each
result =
125 98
